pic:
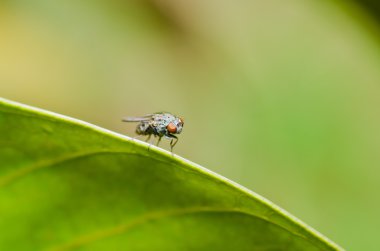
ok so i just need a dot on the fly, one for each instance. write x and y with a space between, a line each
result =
162 124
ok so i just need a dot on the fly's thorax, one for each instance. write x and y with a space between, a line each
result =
161 121
166 123
160 128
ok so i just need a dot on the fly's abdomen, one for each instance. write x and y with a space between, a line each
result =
143 129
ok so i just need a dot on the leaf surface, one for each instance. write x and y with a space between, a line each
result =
69 185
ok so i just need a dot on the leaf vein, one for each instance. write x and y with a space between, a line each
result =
153 216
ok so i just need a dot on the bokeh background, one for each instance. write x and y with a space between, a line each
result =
279 96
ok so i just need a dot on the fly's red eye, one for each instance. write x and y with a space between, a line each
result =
171 128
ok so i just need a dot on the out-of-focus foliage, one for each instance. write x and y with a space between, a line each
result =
372 6
66 185
281 96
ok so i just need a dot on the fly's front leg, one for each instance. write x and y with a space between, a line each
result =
173 142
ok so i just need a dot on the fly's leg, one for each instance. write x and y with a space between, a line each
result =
136 137
151 141
159 139
147 139
173 142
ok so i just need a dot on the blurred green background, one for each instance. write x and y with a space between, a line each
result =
279 96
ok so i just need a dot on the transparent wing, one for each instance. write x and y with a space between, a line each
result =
138 119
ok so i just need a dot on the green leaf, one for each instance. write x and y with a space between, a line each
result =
66 184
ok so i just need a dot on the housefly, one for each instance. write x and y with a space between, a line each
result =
161 124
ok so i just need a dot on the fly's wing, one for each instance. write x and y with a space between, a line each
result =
138 119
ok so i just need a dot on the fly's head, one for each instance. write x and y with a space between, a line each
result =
175 126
